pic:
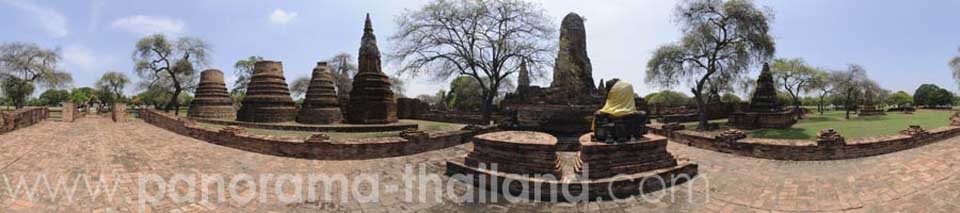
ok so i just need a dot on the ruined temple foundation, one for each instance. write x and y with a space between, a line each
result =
526 165
320 105
599 160
268 97
763 120
212 100
870 110
515 152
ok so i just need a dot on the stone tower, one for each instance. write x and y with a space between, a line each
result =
371 100
765 96
212 100
320 105
572 72
523 78
268 97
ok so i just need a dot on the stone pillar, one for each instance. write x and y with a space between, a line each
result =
69 112
119 112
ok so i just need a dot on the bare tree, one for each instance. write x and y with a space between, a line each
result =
955 67
22 65
479 39
795 76
343 71
849 86
721 41
170 65
822 84
299 86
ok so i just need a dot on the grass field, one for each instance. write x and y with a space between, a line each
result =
856 127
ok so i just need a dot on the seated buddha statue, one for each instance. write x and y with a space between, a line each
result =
619 121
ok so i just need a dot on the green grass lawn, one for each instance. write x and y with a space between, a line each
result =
856 127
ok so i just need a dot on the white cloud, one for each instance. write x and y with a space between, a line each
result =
50 20
145 25
282 17
79 59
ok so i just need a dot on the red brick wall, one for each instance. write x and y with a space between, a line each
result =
808 150
21 118
301 148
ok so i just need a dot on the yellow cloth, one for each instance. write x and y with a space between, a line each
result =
620 101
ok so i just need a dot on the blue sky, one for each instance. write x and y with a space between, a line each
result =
902 44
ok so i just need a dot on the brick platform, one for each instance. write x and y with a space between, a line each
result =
517 152
602 160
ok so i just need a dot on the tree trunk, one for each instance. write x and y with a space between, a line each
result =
174 102
487 109
820 107
702 109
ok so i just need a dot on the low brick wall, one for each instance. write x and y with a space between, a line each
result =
21 118
313 148
314 128
806 150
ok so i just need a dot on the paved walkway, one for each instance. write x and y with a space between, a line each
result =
921 179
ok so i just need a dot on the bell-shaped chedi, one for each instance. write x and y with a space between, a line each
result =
765 97
572 72
212 100
268 97
371 100
321 105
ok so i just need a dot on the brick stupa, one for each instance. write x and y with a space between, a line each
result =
212 100
320 105
371 100
268 97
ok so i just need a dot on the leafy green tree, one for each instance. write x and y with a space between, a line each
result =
478 39
932 96
822 85
23 66
900 99
170 65
465 94
54 97
668 98
721 41
17 91
243 69
84 97
730 98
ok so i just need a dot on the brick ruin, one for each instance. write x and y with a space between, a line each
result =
212 100
268 97
764 110
10 121
567 105
371 100
320 105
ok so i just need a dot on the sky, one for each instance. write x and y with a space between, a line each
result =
902 44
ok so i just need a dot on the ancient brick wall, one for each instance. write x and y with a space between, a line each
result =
310 148
21 118
808 150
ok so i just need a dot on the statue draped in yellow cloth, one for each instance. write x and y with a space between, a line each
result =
619 119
